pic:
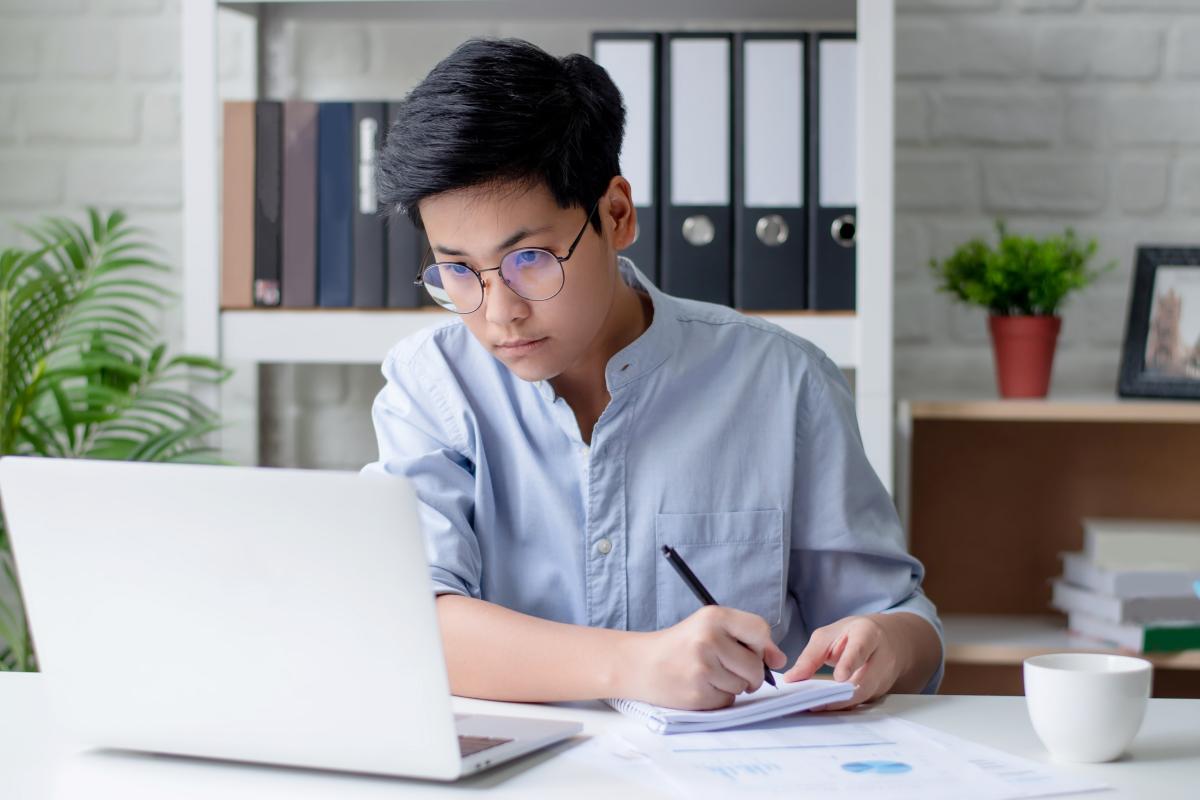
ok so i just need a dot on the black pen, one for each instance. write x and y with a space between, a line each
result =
702 594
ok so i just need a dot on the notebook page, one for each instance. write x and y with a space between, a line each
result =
787 695
764 703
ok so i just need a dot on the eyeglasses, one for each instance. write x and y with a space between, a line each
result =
530 272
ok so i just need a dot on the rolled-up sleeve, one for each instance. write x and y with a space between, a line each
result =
848 553
417 439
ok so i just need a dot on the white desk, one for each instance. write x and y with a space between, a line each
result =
35 763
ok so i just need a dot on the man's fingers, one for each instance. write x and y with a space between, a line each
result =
838 648
754 632
856 652
718 698
860 696
742 662
867 688
725 680
811 659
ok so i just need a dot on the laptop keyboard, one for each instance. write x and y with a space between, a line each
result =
470 745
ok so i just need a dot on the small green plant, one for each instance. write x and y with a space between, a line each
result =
82 373
1021 276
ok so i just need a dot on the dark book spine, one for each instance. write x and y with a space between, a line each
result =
335 205
403 250
370 266
299 235
268 171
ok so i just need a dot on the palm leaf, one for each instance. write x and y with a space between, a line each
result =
81 371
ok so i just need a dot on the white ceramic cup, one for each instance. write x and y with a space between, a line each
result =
1086 706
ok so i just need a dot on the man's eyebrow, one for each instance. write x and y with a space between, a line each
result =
523 233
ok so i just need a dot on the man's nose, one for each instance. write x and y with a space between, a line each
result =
501 304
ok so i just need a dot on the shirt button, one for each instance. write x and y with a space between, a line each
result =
604 547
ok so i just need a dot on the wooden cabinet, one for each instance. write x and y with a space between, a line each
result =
993 491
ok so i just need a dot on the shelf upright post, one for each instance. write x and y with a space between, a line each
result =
199 163
873 379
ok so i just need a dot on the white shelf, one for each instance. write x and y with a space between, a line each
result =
1054 409
354 336
862 342
627 10
1010 639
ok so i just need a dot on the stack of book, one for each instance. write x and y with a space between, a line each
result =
1136 584
301 224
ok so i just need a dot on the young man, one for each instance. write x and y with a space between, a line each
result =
573 419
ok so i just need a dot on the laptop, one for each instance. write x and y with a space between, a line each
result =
262 615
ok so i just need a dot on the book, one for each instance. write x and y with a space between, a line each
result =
369 268
1132 543
237 205
298 245
766 703
1067 597
1163 637
404 251
268 194
335 205
1141 582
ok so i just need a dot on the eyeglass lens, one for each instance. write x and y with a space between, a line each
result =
531 273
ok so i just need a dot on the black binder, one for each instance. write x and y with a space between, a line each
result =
770 151
403 249
268 191
632 60
426 256
833 151
696 190
369 235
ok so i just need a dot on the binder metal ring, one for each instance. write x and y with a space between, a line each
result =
771 230
844 230
698 230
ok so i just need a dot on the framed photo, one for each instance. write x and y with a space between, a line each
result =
1161 356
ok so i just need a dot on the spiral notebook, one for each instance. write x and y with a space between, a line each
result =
767 702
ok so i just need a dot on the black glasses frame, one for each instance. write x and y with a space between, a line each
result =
420 280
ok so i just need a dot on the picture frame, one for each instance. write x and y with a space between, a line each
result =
1161 352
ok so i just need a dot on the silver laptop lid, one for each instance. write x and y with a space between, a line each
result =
273 615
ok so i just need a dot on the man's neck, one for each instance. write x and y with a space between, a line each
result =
584 386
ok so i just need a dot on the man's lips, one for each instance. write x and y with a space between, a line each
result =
519 345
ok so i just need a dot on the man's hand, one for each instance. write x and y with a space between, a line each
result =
702 662
867 651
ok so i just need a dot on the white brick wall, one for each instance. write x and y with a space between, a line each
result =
1050 112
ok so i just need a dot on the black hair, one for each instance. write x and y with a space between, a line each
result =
499 111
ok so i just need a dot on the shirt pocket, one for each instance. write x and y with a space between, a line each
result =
737 555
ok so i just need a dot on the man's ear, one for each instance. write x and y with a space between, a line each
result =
619 214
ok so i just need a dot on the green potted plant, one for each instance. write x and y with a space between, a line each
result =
82 374
1022 282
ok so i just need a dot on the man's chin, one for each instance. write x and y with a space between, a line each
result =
532 373
530 369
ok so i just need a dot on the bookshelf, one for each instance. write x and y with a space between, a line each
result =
860 341
992 491
1082 409
1004 640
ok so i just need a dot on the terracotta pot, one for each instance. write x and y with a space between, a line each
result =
1024 350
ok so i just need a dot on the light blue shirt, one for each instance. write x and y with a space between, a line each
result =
726 437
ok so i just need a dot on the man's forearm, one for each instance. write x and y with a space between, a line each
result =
498 654
919 647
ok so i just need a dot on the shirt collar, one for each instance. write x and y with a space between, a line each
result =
649 350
